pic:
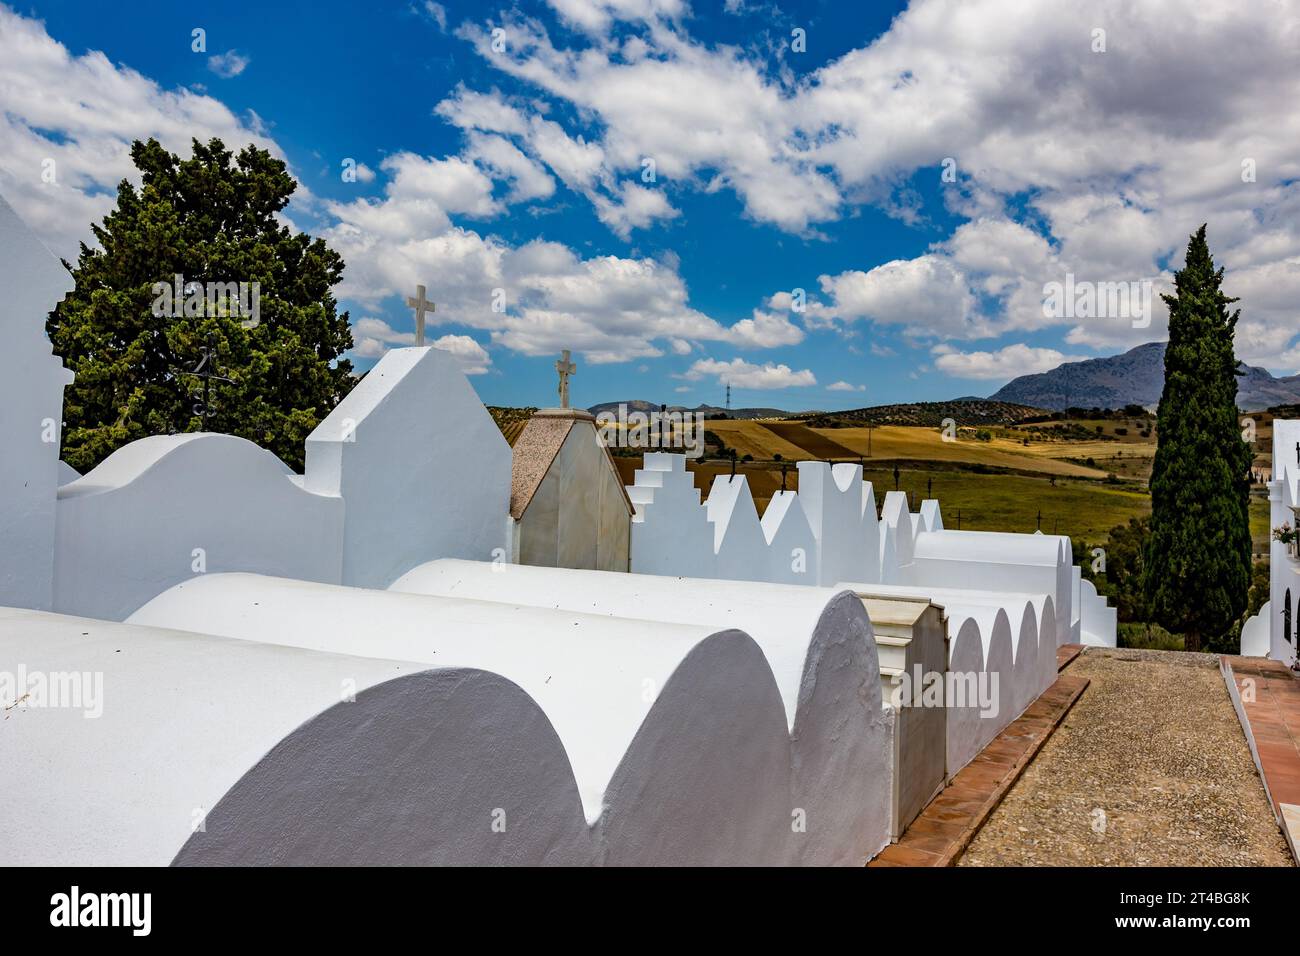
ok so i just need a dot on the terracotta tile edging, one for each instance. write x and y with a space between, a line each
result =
1027 733
1260 673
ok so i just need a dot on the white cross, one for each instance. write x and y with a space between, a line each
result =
565 368
421 305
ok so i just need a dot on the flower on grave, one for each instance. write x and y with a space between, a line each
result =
1286 534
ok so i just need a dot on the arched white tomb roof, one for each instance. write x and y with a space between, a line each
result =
675 733
818 642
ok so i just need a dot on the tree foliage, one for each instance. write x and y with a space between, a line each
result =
1198 556
210 218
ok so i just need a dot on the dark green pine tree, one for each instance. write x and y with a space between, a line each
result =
1196 574
210 218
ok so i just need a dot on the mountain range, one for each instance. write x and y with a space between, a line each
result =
1134 378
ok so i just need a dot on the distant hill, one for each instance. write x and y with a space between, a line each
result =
1134 378
965 411
638 405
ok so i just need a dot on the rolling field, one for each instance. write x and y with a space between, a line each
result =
794 441
892 442
818 444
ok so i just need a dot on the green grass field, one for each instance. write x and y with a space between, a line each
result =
974 502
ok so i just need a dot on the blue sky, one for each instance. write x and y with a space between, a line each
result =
519 170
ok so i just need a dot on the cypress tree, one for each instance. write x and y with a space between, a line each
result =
211 219
1198 558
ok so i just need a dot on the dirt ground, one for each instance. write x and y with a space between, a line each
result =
1149 768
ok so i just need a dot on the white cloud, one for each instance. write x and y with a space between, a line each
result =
633 207
1005 363
454 184
536 298
436 12
1096 164
767 329
81 113
228 64
842 386
744 374
707 117
374 337
528 180
473 358
926 296
596 16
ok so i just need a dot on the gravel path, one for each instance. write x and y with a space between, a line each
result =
1149 768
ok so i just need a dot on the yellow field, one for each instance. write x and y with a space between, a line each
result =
927 444
891 442
751 438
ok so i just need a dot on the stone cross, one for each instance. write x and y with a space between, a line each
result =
421 305
565 368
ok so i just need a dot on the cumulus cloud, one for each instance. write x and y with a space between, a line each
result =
473 358
1096 164
1005 363
374 337
843 386
744 374
76 116
1068 162
926 295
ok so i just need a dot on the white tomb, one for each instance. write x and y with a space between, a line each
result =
913 646
676 734
817 641
215 751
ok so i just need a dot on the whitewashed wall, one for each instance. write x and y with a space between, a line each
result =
1284 568
423 469
163 509
832 519
32 281
408 468
671 532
